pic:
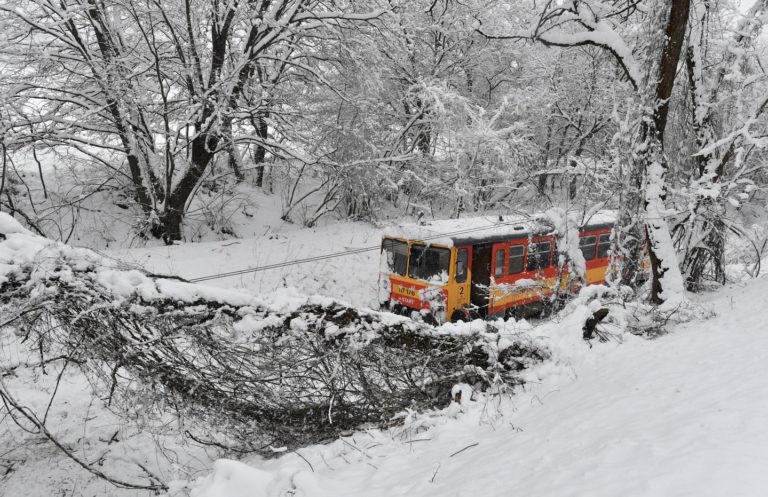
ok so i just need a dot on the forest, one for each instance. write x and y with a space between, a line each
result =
193 195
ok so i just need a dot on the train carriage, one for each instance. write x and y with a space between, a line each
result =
484 267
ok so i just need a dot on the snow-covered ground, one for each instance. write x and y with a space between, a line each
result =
351 278
681 415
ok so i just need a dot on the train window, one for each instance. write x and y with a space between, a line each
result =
538 256
587 245
604 245
516 257
498 266
462 257
395 256
429 263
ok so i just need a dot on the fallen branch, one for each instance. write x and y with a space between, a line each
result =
247 372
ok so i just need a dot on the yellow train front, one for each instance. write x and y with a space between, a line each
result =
485 267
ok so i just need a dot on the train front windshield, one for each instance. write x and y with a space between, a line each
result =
396 256
429 263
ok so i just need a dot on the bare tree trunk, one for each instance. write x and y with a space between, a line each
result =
631 235
5 166
203 151
666 279
232 156
701 235
642 219
259 156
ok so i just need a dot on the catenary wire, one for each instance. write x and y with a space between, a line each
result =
345 253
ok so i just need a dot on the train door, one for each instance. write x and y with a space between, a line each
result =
461 287
481 278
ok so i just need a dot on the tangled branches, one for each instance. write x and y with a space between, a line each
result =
247 373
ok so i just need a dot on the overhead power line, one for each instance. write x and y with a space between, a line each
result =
334 255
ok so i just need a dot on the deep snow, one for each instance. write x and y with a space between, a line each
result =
352 278
681 415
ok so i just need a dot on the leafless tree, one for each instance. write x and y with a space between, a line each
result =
158 84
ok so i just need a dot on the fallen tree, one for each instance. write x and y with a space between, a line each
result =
241 371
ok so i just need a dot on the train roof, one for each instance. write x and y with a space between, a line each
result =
488 229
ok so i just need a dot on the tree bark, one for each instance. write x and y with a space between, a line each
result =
664 266
172 216
261 128
232 156
642 220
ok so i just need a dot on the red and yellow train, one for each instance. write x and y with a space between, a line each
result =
485 267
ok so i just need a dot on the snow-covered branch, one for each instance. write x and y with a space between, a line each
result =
254 370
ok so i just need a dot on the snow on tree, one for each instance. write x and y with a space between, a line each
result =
161 86
650 68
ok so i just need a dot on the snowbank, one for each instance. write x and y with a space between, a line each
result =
677 416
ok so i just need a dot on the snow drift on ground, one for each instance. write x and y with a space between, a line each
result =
681 415
352 278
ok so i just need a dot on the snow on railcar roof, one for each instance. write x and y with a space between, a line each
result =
452 231
461 231
599 218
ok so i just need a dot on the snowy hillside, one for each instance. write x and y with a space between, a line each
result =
680 415
352 278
